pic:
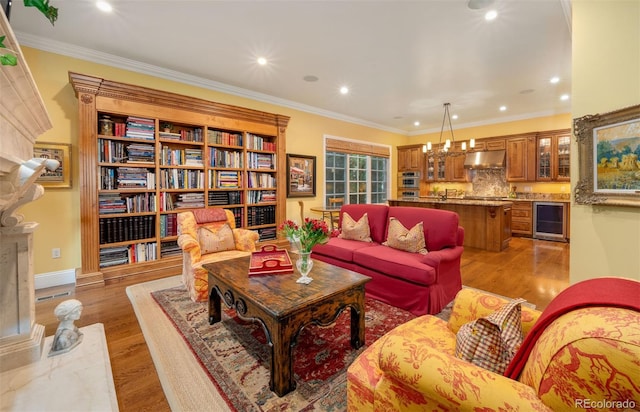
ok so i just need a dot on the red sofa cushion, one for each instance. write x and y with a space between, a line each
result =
376 214
396 263
341 249
440 226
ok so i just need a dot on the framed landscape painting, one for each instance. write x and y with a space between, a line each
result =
61 177
301 175
609 158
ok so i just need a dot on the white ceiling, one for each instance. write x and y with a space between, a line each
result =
400 59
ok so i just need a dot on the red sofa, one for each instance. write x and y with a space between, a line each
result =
421 284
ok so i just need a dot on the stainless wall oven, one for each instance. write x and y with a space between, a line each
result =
549 221
409 180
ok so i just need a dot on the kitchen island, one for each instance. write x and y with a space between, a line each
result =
486 222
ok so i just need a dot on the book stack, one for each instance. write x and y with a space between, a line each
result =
261 196
224 138
255 179
141 153
267 233
181 179
143 202
170 248
111 203
168 225
140 128
225 158
194 135
261 215
260 143
225 198
112 256
227 179
135 178
189 201
193 157
261 160
169 135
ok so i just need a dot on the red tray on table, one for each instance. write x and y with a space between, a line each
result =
270 260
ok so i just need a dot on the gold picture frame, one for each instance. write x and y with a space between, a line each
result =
61 177
609 158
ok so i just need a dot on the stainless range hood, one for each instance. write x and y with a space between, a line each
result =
493 159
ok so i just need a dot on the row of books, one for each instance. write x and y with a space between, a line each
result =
180 157
260 143
115 203
225 158
224 198
170 248
225 179
257 179
224 138
261 215
181 179
127 228
126 178
267 233
189 201
110 151
169 225
261 196
261 160
191 135
238 214
121 255
140 128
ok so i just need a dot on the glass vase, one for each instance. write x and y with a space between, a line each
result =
304 265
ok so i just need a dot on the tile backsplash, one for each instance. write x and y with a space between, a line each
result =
489 182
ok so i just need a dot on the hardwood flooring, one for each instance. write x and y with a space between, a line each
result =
536 270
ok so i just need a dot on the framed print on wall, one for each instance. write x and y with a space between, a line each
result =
609 158
301 175
61 177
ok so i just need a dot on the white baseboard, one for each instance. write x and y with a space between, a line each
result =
58 278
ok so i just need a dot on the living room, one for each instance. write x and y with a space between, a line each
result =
600 236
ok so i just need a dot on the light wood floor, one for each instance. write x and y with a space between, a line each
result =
533 269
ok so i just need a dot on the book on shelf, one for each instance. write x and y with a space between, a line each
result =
140 128
224 138
255 142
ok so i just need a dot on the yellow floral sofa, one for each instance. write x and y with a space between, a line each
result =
586 359
205 236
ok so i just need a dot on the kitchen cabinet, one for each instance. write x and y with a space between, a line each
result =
454 167
410 158
522 218
521 157
553 151
436 168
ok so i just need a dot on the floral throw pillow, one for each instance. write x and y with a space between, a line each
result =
216 239
353 230
410 240
491 342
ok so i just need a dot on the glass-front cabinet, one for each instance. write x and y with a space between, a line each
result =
553 156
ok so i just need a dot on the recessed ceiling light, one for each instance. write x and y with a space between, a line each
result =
503 108
416 123
564 97
310 78
554 79
491 15
262 61
344 90
104 6
454 117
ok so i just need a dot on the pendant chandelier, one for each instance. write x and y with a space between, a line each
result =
448 148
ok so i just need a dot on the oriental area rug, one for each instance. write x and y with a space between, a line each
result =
225 366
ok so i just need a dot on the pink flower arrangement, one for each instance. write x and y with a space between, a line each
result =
307 235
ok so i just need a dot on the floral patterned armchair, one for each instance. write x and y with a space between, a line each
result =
586 359
205 236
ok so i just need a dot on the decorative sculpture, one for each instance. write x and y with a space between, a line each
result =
68 336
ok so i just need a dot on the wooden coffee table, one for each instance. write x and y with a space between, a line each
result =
283 306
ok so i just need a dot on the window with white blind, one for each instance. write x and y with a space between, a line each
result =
357 172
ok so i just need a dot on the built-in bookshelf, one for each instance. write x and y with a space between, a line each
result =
146 155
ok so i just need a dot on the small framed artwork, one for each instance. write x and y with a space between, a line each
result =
301 175
609 158
61 177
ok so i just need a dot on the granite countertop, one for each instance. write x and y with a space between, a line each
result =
457 201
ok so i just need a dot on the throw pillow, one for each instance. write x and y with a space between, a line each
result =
491 342
355 230
216 239
409 240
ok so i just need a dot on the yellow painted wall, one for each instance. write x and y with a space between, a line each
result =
606 76
58 211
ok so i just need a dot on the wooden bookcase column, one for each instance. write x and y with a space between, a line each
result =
97 97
